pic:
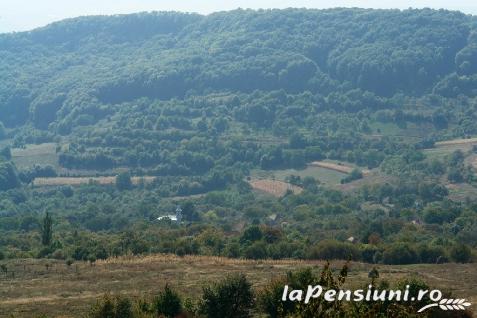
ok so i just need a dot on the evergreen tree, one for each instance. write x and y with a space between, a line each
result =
123 181
2 131
47 230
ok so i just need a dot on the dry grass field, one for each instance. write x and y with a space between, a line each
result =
62 291
274 187
76 181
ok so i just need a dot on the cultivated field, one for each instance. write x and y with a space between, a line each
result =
337 167
274 187
463 141
43 154
445 148
411 131
461 192
62 291
76 181
330 177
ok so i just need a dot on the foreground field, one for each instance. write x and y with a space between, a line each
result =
62 291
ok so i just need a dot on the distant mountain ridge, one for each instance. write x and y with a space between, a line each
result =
48 73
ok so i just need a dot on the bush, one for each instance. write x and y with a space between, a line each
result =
251 234
233 298
461 253
270 298
168 303
331 249
414 285
108 307
8 176
257 250
431 254
3 133
6 153
123 181
368 253
400 253
355 174
270 302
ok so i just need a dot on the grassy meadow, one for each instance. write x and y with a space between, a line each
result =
53 288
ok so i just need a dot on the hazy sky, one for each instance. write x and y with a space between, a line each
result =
21 15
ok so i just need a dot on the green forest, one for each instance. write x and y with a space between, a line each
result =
186 111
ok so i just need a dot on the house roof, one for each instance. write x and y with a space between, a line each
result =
170 217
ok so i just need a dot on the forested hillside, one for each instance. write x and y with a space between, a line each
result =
354 111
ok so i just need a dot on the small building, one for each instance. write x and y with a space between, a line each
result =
352 239
272 219
173 217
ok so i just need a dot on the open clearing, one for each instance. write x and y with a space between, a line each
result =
63 291
328 172
76 181
274 187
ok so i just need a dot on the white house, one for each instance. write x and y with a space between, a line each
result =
173 217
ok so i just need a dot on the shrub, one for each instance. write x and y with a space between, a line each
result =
331 249
233 298
270 298
430 254
461 253
109 307
2 131
368 253
168 303
257 250
252 234
123 181
355 174
270 302
400 253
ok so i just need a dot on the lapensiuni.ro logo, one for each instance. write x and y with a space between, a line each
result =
372 294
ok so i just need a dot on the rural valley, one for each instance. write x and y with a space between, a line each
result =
144 157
